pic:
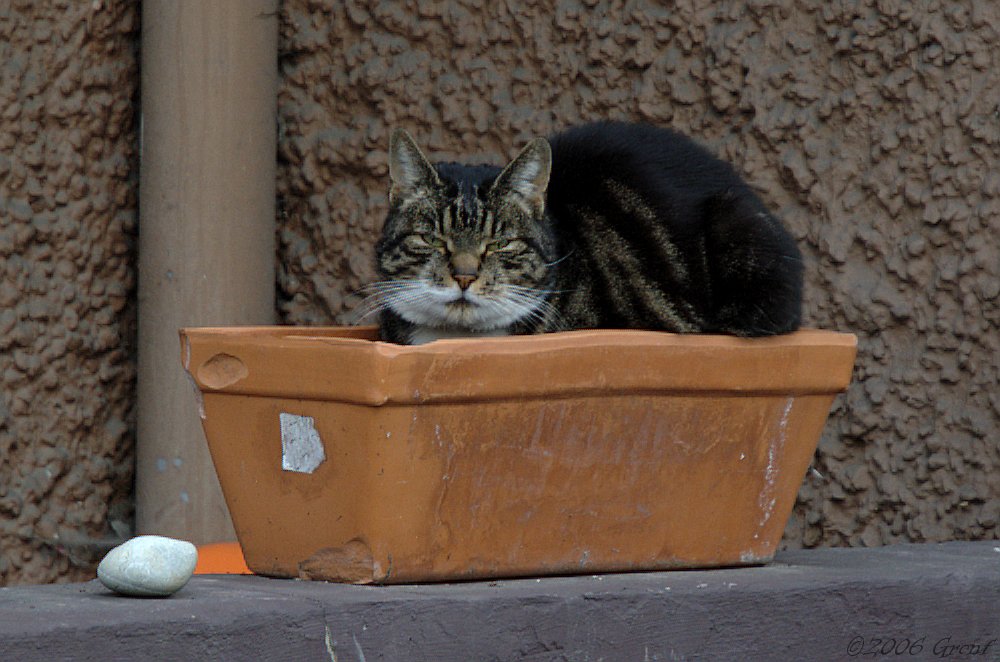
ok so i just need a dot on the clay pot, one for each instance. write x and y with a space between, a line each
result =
347 459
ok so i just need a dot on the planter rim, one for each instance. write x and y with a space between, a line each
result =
348 364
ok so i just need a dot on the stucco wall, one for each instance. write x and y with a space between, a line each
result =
872 127
68 83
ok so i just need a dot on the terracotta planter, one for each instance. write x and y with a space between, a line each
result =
346 459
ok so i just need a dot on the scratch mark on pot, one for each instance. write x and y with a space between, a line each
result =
777 445
197 394
301 446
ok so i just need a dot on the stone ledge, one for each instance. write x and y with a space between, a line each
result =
808 604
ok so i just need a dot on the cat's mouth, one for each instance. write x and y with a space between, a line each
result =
462 304
464 299
464 309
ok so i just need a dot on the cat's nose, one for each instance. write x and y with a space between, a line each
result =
464 269
464 281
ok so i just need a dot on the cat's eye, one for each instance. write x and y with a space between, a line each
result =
498 245
433 240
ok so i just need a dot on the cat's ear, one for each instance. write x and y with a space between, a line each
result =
410 173
527 176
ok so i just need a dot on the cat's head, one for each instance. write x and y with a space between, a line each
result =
465 247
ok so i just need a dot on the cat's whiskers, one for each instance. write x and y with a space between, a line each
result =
549 312
531 303
419 294
497 311
388 285
385 294
516 309
521 289
555 262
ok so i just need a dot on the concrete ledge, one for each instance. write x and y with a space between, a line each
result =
907 601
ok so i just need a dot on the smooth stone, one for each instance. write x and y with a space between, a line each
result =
148 566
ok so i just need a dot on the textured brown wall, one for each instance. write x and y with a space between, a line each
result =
68 82
872 127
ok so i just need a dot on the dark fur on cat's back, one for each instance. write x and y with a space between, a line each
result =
607 225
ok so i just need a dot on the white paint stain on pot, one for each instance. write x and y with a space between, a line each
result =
301 446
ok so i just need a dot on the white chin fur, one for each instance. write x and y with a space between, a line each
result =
422 335
434 311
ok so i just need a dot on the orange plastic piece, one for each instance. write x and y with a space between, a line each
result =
221 558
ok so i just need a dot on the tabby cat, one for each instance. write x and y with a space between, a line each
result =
608 225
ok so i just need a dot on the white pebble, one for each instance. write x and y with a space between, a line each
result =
151 566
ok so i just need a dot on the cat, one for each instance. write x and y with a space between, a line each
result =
606 225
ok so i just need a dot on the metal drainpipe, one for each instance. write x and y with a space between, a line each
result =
206 232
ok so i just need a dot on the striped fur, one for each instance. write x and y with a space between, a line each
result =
606 225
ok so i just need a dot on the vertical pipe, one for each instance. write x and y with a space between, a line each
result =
206 232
